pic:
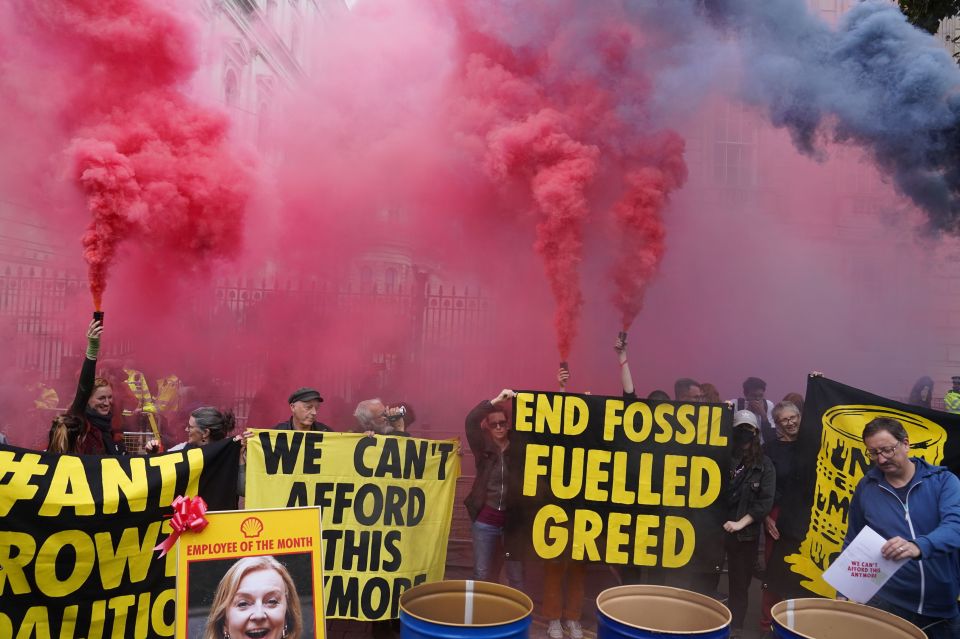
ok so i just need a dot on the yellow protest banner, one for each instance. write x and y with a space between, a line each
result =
623 482
387 504
252 573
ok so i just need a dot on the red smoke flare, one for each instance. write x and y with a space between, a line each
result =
640 223
559 169
154 165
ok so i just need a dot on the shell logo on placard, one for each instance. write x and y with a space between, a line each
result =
841 465
251 527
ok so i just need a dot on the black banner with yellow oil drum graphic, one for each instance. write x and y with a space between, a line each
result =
833 461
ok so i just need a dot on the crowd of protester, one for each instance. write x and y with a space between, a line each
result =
760 528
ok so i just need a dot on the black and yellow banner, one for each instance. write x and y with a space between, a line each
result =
77 537
387 504
833 461
623 482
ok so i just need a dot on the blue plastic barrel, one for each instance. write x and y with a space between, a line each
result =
830 618
660 612
464 609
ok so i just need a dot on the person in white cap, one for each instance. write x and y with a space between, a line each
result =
749 498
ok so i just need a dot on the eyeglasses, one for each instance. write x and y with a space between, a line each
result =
502 424
886 451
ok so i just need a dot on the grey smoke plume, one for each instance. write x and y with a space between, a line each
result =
874 81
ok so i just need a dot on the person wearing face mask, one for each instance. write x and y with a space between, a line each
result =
93 404
749 497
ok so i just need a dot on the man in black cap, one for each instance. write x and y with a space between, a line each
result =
951 401
303 409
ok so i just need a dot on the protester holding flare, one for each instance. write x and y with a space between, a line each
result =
637 574
92 406
497 530
563 581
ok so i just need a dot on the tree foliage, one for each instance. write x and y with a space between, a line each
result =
927 14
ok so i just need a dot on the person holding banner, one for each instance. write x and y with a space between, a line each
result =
373 417
749 498
65 431
498 455
93 404
255 598
786 525
206 424
915 506
304 403
563 582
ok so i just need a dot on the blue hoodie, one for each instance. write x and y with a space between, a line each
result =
931 519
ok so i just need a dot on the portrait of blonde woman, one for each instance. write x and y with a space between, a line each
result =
256 599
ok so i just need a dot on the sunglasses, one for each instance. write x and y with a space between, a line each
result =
501 424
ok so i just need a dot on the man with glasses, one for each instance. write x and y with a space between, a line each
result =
915 506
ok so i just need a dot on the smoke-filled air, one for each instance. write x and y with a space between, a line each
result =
442 198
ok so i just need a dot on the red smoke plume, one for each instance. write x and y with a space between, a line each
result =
532 139
154 165
640 223
558 169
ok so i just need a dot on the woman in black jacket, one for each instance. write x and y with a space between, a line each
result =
749 497
497 526
86 429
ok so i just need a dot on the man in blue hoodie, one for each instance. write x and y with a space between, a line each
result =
916 507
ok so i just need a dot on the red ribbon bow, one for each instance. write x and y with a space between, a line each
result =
188 514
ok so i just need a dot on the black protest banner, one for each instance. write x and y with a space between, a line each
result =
832 460
77 538
386 504
623 482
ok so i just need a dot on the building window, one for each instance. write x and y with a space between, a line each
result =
231 88
390 278
734 148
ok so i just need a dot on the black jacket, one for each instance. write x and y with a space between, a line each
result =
751 491
95 439
318 427
485 452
